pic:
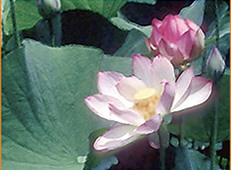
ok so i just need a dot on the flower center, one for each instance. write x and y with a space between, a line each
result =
146 101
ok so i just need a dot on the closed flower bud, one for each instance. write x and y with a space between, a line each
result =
215 65
179 40
48 8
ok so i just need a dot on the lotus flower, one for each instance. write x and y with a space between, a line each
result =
138 103
179 40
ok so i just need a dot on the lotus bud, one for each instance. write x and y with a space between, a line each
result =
179 40
215 65
48 8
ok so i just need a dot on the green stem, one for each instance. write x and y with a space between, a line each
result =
182 131
17 37
217 23
203 63
55 27
213 138
162 157
162 152
51 33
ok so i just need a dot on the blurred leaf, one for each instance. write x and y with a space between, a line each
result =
198 121
191 159
134 44
152 2
5 6
107 8
27 14
125 24
99 33
224 22
115 64
45 122
194 12
224 31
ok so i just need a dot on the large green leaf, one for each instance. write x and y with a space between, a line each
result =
27 14
124 24
194 12
223 18
134 44
45 122
99 33
107 8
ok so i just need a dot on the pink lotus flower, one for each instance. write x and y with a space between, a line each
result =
138 103
179 40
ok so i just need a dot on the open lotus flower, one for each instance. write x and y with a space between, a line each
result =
138 103
179 40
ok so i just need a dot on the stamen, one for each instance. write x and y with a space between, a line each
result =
146 101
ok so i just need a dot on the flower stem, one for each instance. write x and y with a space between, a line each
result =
213 137
217 23
162 157
203 63
55 27
215 121
162 152
182 131
17 37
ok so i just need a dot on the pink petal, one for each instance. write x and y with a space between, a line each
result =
182 85
127 115
170 51
162 70
150 125
192 25
173 27
181 25
157 23
166 100
107 85
117 136
156 36
169 28
107 81
128 86
141 67
99 104
198 44
185 43
154 140
197 93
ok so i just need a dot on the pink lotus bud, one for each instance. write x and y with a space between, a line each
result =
48 8
215 65
180 40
